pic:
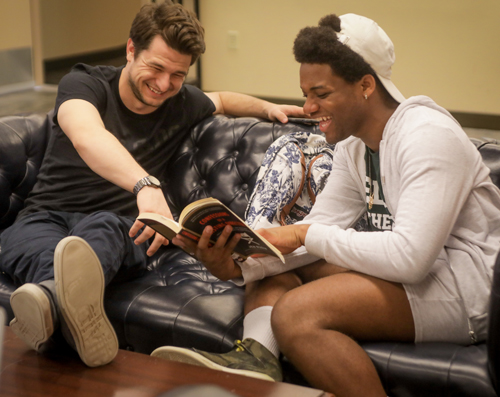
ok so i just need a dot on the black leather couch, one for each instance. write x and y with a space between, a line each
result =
177 302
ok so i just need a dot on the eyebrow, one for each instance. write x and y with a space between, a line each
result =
316 87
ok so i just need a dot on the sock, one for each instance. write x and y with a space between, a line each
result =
257 326
49 287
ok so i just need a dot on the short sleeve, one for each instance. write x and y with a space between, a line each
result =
80 85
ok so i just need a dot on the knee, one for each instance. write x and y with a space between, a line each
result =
105 220
288 320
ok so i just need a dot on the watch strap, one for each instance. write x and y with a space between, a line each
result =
146 181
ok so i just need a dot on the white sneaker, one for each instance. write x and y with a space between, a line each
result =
33 321
80 292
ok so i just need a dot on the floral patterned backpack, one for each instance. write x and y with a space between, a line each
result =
294 171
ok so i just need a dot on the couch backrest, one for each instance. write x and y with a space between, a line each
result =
221 158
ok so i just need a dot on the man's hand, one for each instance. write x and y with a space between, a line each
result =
280 112
217 258
150 199
236 104
286 238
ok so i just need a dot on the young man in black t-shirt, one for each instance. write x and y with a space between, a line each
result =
113 129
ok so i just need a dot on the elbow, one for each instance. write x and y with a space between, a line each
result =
414 271
413 278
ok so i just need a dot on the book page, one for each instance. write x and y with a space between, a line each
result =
163 225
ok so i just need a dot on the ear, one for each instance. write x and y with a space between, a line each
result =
130 50
368 85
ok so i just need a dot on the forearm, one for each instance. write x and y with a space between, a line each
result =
254 269
106 156
236 104
100 149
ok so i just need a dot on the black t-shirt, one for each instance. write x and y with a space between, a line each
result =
66 183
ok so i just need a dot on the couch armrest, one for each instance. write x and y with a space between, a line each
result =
23 140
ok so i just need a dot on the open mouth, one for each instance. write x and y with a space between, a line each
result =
155 91
324 123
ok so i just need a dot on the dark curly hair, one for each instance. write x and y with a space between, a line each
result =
320 45
178 27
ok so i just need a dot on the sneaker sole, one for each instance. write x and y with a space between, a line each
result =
191 357
33 321
80 292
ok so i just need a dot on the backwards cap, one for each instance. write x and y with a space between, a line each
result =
366 38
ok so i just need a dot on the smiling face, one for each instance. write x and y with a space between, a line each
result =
154 75
330 98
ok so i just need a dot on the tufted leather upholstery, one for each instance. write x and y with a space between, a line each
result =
178 302
21 154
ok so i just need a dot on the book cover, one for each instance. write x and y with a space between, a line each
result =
211 212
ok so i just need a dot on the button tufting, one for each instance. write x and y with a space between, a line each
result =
235 153
244 187
203 182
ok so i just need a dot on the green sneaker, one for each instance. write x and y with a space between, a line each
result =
248 358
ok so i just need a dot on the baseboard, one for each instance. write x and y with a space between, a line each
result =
18 87
466 119
478 120
90 58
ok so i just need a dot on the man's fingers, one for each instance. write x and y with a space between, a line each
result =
158 241
186 244
144 236
204 242
222 240
135 228
233 242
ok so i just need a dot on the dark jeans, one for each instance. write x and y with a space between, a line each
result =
27 247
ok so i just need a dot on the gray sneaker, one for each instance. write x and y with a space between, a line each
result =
33 321
248 358
80 292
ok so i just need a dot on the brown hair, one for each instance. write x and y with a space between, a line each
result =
179 28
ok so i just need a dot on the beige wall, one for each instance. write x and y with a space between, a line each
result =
15 29
446 49
72 27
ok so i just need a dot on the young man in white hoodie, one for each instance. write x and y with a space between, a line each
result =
424 271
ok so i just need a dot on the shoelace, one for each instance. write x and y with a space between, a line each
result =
241 347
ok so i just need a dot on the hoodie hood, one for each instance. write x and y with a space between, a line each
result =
406 107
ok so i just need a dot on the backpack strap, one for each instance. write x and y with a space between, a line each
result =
309 189
287 208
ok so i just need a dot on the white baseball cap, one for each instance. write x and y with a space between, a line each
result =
366 38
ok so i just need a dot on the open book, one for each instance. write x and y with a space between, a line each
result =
211 212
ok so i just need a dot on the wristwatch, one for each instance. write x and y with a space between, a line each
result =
146 181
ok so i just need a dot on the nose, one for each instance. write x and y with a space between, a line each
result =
310 107
163 81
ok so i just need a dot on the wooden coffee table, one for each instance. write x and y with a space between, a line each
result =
27 373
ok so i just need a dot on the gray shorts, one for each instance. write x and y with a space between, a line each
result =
438 310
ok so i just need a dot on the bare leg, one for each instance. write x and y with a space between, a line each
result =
315 323
266 292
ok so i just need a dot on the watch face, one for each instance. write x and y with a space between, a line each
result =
154 181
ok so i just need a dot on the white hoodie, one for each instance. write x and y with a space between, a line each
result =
439 193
